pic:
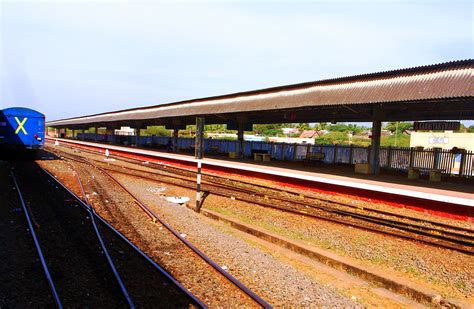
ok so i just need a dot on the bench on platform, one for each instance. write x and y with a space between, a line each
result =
261 155
435 173
317 157
264 157
214 150
253 151
363 168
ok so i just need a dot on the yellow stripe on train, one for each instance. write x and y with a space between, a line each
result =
20 125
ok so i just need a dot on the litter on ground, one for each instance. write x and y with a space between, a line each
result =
177 199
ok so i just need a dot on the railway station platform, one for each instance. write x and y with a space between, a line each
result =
447 199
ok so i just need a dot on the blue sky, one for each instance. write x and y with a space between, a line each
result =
71 58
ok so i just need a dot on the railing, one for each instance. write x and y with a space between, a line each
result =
391 158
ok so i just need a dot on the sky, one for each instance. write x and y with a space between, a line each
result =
73 58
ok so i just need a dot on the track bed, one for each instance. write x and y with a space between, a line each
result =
75 259
23 282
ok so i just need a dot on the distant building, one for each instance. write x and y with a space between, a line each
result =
290 130
247 137
254 138
368 133
308 134
445 140
291 140
125 131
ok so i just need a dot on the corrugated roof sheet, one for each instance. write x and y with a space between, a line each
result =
446 80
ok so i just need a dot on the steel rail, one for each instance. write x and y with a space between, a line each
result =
369 209
127 241
366 217
426 231
374 220
318 199
37 245
446 244
364 208
155 218
102 244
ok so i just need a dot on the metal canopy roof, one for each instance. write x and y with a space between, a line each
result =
441 91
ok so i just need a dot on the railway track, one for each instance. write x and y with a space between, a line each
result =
85 260
254 299
408 227
430 235
285 192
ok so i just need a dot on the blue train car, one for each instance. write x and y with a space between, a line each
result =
21 128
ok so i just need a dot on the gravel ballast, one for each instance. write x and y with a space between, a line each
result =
450 273
273 280
276 282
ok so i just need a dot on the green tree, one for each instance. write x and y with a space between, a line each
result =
334 137
157 131
399 140
462 128
215 128
303 126
321 126
342 127
398 127
268 129
470 129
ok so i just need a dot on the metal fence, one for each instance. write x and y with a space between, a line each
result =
460 163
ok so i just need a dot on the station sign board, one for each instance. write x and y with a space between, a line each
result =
437 126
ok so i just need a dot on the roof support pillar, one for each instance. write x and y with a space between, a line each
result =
375 145
240 140
62 132
175 139
137 136
96 133
109 135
